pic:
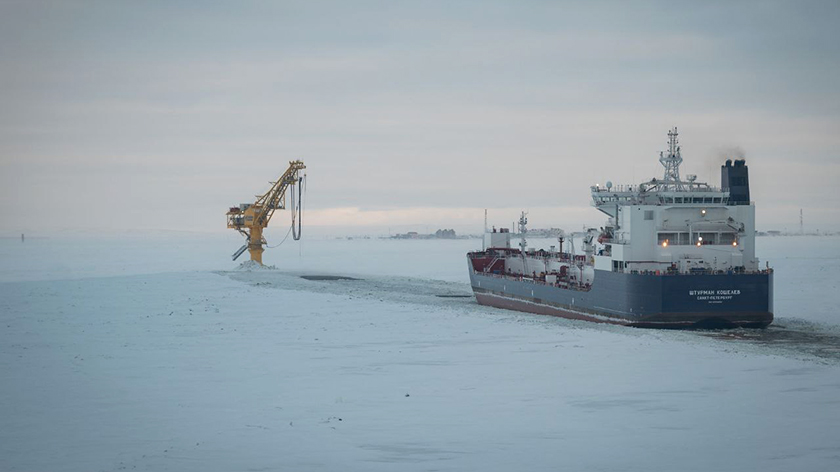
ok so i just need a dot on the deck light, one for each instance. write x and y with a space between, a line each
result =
703 212
665 243
734 243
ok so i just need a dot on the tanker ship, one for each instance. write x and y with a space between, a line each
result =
673 253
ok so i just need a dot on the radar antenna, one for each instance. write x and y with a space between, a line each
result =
672 162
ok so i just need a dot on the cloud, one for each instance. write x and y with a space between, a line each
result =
436 105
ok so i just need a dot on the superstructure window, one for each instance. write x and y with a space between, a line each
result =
706 238
727 238
686 239
649 214
671 238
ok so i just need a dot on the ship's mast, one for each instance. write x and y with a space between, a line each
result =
523 221
483 236
672 162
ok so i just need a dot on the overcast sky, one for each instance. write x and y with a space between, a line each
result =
161 114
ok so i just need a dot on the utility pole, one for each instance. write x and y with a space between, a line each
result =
801 225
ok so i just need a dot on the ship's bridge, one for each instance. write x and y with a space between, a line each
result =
649 193
671 223
671 189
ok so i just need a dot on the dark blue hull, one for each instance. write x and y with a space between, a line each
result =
660 301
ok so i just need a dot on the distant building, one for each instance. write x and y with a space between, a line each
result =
445 234
439 234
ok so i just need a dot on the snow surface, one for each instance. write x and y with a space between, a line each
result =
156 354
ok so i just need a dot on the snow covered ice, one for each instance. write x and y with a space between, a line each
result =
163 356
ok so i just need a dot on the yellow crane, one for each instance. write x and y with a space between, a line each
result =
251 218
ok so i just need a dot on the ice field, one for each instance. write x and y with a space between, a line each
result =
152 352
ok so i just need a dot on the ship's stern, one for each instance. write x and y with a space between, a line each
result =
740 300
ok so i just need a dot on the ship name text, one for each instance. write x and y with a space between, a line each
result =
714 295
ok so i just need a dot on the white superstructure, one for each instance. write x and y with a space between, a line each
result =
671 224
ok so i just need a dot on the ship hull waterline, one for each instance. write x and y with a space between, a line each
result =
631 301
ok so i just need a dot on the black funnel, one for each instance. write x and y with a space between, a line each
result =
735 177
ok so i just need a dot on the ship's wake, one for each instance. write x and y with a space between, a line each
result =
788 337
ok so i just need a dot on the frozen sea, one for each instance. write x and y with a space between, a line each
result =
152 352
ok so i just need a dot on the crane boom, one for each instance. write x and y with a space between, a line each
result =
251 218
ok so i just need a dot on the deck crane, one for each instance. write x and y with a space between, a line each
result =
251 218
